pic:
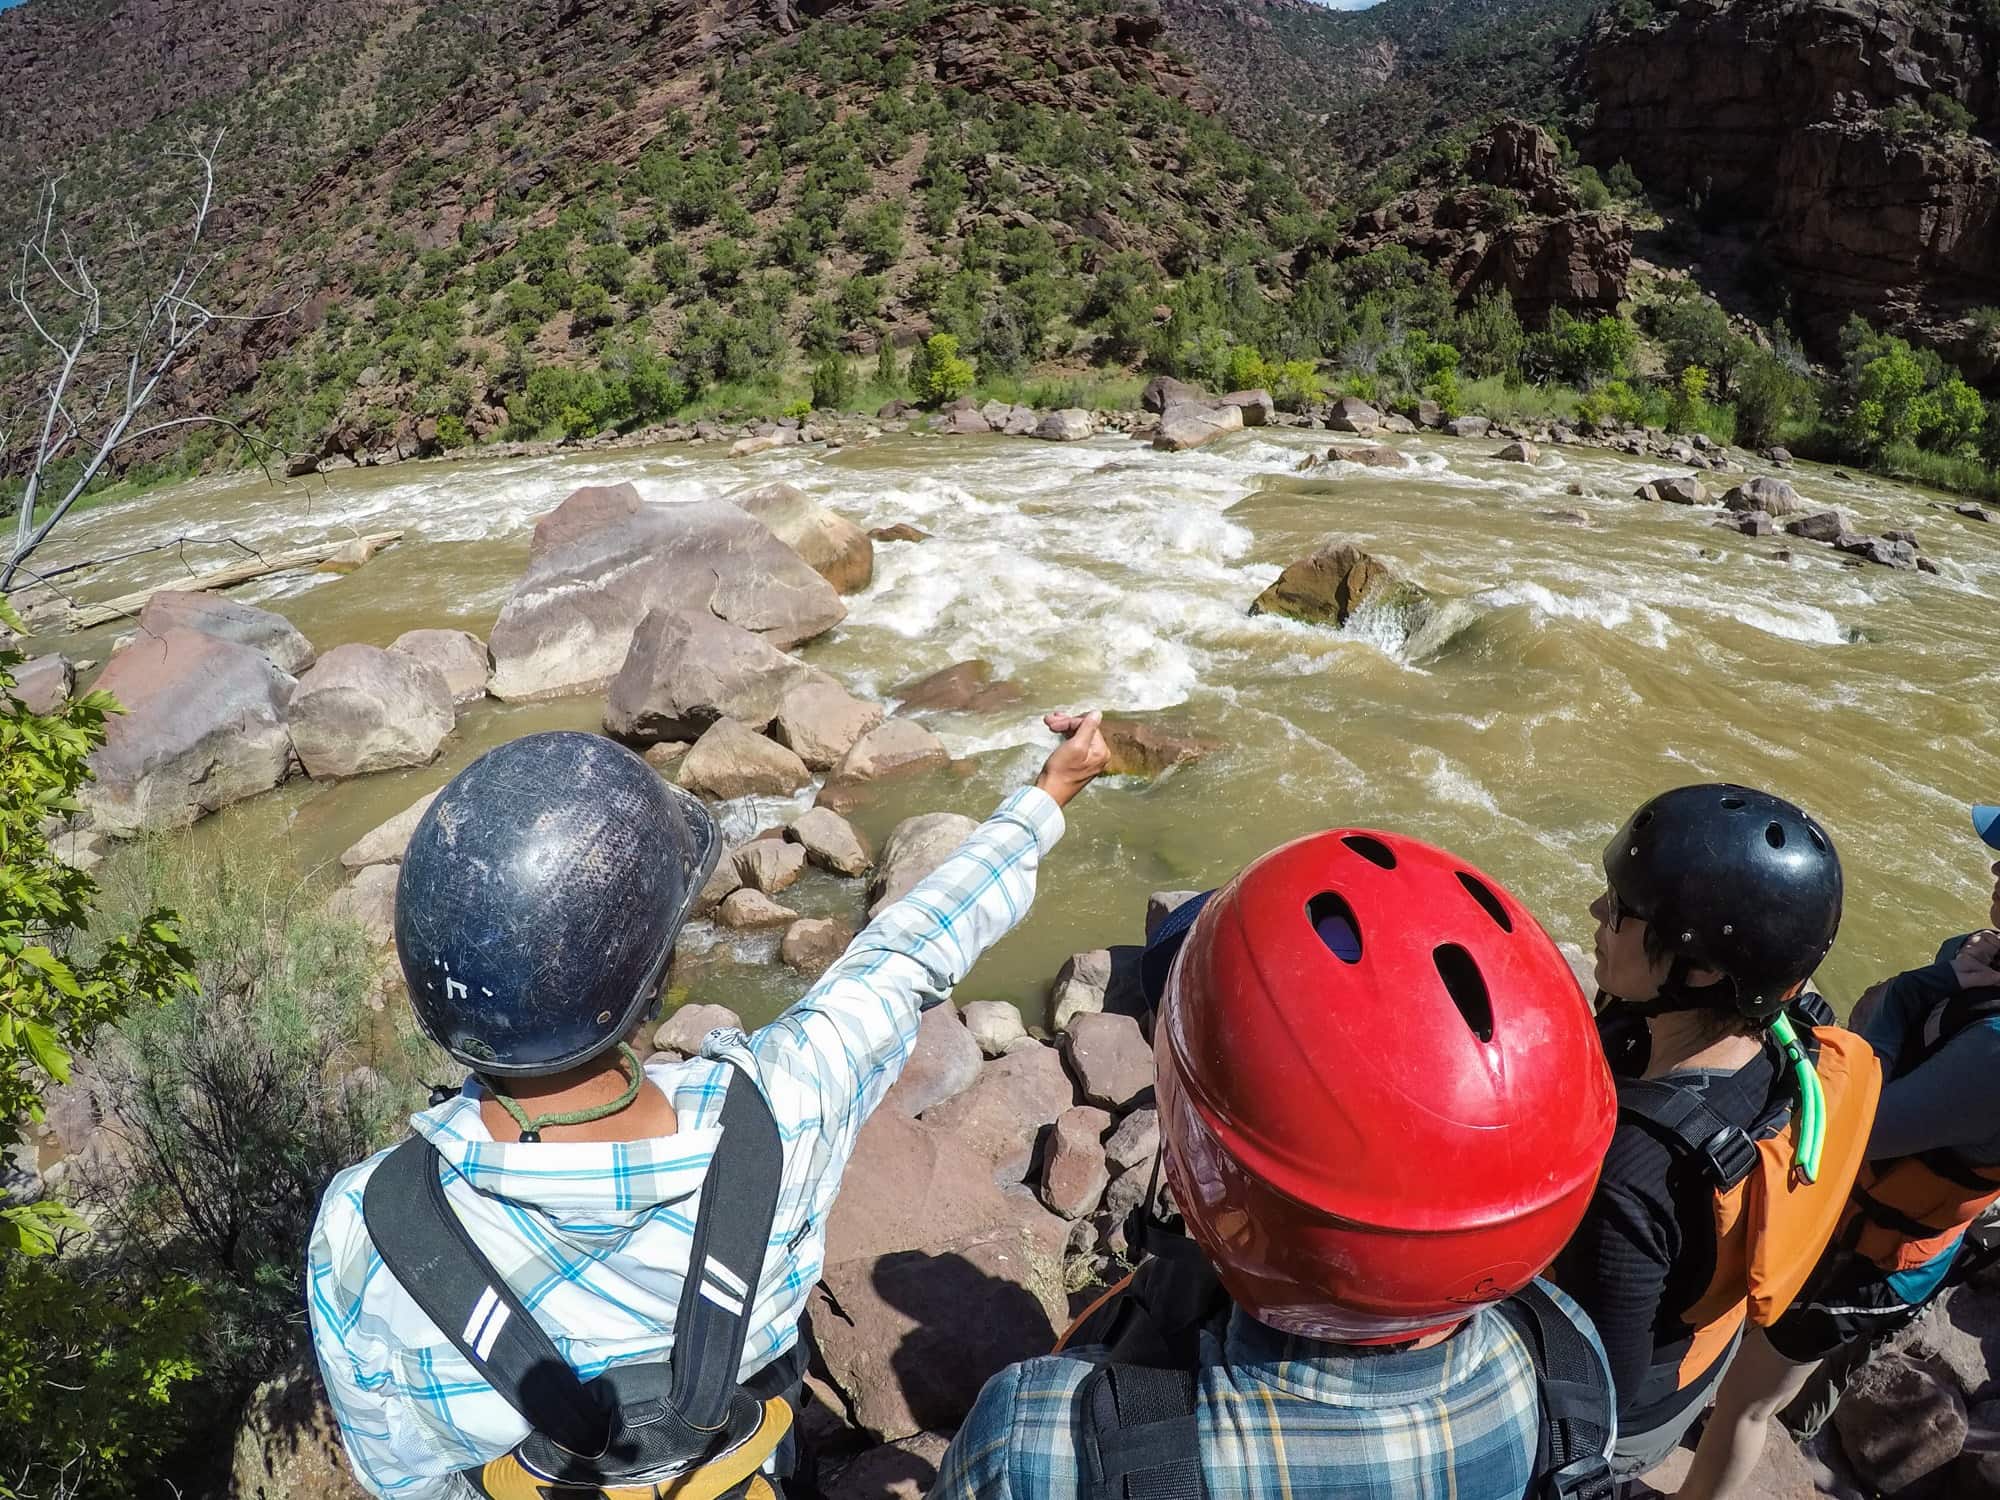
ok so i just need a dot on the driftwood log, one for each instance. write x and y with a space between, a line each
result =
73 617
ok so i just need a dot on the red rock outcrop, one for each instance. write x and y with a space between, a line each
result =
1837 130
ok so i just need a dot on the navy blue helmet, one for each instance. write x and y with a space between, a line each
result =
540 899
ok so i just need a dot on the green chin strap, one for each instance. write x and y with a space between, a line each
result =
1812 1098
532 1128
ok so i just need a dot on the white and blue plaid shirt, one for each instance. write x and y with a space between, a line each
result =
594 1238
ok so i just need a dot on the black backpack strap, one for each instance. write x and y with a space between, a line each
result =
739 1200
1142 1438
1141 1435
427 1249
1725 1149
1578 1406
433 1258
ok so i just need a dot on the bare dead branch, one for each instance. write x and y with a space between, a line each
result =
162 329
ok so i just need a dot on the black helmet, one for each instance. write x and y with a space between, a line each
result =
1733 880
540 899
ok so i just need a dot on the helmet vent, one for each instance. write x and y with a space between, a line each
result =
1333 919
1373 850
1483 894
1774 835
1818 839
1467 988
1732 803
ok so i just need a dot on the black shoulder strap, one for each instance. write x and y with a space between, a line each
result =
1962 1011
428 1250
1724 1148
1578 1406
1142 1438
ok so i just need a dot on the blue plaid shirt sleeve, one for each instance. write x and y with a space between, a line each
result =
849 1037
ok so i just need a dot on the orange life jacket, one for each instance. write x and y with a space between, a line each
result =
1906 1211
1771 1225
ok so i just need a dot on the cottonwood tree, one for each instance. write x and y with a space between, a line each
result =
105 359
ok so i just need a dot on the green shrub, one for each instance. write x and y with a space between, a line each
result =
832 383
887 372
945 376
590 308
1591 189
1623 181
451 431
91 1366
724 262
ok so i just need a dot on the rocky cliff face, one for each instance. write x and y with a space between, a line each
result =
1516 224
1853 137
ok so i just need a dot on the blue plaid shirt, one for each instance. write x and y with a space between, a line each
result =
594 1238
1284 1417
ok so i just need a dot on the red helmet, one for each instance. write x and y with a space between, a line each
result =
1382 1096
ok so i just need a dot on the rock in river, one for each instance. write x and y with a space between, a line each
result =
819 721
831 545
895 747
1189 426
458 654
363 709
732 761
227 620
204 726
687 669
604 559
1328 587
915 847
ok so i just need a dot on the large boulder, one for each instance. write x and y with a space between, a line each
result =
604 559
812 945
895 747
689 1026
1080 986
1111 1059
1369 456
362 709
1189 426
1328 587
1070 425
1775 497
935 1278
458 654
1074 1172
915 847
831 545
687 669
732 761
287 1445
770 865
1163 391
943 1064
1013 1100
830 841
1352 414
1469 427
204 726
1258 409
995 1026
964 687
369 901
227 620
45 683
818 720
384 844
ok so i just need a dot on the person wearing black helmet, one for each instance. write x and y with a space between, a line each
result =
579 1275
1719 903
1933 1167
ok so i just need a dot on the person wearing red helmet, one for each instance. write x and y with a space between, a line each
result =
1382 1109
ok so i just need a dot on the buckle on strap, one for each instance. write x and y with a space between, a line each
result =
1586 1478
1730 1155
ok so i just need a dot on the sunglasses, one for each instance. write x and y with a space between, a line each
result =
1615 911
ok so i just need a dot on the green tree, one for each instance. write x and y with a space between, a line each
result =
1770 396
945 376
832 383
887 373
590 307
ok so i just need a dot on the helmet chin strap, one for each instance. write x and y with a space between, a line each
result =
532 1127
1676 995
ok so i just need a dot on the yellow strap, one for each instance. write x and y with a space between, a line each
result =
507 1479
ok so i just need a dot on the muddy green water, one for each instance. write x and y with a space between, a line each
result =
1611 648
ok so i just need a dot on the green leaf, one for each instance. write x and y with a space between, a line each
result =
55 968
48 1051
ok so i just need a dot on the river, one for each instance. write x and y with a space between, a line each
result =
1615 648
